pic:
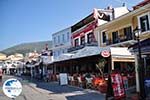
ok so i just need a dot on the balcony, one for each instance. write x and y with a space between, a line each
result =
125 38
145 33
120 40
82 46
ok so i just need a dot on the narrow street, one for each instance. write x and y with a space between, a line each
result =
38 90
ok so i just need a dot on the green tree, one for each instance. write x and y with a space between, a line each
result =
100 65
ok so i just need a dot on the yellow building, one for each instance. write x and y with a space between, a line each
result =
120 33
2 57
15 57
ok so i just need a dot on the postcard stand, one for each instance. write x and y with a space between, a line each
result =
115 89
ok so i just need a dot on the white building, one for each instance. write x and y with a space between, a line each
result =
61 42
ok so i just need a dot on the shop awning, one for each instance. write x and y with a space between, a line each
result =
65 56
116 52
120 52
88 51
84 52
144 45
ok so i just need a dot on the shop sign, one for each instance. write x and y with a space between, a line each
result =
105 53
82 34
63 78
117 85
83 31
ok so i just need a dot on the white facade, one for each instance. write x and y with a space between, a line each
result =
115 12
61 42
119 11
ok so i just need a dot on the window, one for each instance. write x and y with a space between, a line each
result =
63 51
76 42
54 53
68 36
63 37
82 40
115 37
104 37
144 23
90 37
54 40
59 52
58 39
128 33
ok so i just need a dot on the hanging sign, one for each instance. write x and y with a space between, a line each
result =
105 53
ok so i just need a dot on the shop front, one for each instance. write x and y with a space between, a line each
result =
125 66
90 67
145 54
82 71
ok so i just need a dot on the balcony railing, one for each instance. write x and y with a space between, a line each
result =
125 38
118 40
82 46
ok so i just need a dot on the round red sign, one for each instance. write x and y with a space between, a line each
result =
105 53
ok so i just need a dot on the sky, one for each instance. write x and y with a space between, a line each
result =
24 21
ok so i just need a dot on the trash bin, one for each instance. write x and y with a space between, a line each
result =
147 87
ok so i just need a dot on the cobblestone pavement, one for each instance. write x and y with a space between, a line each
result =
37 90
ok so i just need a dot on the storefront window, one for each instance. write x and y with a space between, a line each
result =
127 70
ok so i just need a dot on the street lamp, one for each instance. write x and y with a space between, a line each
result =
140 67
